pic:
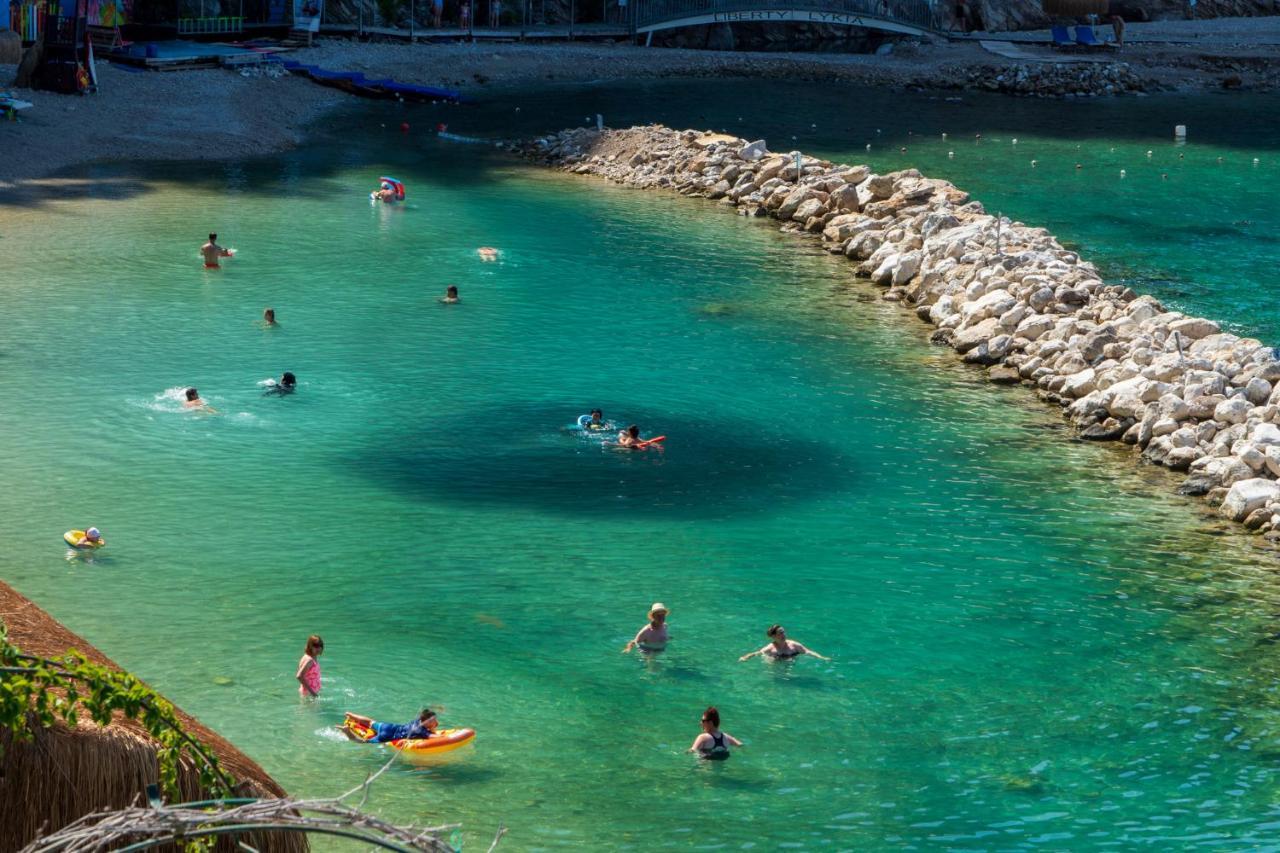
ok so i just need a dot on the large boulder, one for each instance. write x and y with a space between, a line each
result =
753 151
1194 328
967 339
1233 411
1079 384
1247 495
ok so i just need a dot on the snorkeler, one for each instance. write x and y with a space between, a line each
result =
780 648
212 252
376 732
450 294
286 384
713 744
652 637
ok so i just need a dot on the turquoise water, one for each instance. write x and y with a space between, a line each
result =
1035 643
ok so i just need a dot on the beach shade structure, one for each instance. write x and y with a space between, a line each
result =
67 772
1074 8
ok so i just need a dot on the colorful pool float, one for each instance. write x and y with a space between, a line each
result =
442 741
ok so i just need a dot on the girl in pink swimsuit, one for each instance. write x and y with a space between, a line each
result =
309 668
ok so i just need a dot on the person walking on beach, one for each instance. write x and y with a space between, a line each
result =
713 744
308 674
652 637
780 648
212 252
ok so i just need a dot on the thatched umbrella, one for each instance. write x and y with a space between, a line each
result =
66 772
1074 8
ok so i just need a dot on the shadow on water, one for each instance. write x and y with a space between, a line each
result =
707 470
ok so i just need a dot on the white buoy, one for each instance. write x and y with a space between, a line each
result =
877 131
951 155
1148 155
944 136
868 146
1015 140
1122 173
1180 131
1255 161
1033 164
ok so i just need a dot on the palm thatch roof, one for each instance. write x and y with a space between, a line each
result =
67 772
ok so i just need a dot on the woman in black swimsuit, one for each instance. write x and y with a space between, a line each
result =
780 648
713 744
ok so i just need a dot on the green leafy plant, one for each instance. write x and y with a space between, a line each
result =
37 692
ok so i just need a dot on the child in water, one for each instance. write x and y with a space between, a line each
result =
308 674
450 294
420 729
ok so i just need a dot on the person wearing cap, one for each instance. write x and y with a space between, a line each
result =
780 648
91 538
652 637
386 192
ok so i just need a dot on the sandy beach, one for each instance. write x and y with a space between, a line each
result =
219 114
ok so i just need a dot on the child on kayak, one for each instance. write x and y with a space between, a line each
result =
368 730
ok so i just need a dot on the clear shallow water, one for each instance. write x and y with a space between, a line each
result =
1035 644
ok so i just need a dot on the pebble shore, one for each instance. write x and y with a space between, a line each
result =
1005 296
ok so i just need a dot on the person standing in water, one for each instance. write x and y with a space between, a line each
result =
652 637
780 648
308 674
212 253
713 744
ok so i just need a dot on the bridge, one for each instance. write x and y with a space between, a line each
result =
910 17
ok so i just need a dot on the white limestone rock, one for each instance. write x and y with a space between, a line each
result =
1232 411
1245 496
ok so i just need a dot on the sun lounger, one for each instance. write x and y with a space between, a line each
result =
1061 38
1086 38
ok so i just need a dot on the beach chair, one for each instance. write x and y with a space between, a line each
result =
1086 38
1061 38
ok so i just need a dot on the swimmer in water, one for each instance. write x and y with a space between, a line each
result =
212 252
386 193
193 401
629 437
450 295
269 317
287 384
713 744
597 421
780 648
487 253
652 637
91 538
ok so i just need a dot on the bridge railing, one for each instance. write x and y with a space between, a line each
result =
914 13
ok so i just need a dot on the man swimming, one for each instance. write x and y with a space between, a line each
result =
287 384
212 252
450 294
629 437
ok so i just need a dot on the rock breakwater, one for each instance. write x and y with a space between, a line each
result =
1005 296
